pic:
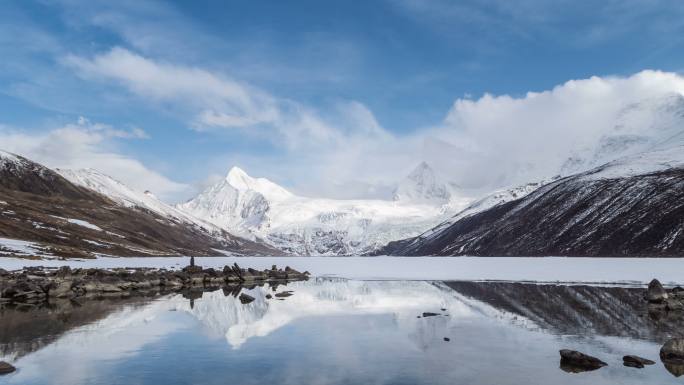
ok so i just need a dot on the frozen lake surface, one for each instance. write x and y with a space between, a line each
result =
549 269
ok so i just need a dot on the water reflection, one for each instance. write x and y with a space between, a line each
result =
340 331
578 309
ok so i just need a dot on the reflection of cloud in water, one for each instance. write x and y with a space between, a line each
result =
323 297
116 337
347 331
122 334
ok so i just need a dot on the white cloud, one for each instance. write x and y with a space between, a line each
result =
89 145
212 100
482 144
504 139
499 141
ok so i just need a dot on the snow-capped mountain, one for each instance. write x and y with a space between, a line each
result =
312 226
43 213
124 195
423 186
488 201
644 126
633 206
238 202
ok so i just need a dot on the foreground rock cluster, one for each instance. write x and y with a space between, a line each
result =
661 302
37 284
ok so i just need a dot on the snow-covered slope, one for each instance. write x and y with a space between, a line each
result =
488 201
42 213
648 125
633 206
124 195
312 226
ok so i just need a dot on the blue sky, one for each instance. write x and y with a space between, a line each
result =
169 95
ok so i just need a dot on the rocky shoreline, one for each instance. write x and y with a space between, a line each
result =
36 287
33 285
661 303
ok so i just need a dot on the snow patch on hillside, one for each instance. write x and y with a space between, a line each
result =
125 196
20 248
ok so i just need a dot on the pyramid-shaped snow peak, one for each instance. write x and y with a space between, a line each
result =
423 185
241 181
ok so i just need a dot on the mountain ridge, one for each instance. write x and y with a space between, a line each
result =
44 214
632 206
260 209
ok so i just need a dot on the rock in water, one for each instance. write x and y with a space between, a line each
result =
574 362
656 293
672 356
6 368
673 350
636 361
245 298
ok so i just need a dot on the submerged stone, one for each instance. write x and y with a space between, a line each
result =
636 361
245 298
673 351
6 368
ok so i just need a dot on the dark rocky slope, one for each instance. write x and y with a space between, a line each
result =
590 214
62 219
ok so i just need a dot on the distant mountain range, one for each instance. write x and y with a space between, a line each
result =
261 210
630 207
621 196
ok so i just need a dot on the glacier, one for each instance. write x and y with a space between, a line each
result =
262 210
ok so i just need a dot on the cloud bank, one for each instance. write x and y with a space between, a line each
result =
508 140
491 142
90 145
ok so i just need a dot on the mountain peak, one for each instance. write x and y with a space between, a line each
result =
422 185
422 171
240 180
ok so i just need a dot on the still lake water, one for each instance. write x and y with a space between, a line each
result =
339 331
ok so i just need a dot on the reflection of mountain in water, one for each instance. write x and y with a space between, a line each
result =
24 330
580 309
327 297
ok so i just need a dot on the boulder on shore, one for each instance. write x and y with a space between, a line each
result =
673 351
672 356
656 292
574 362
